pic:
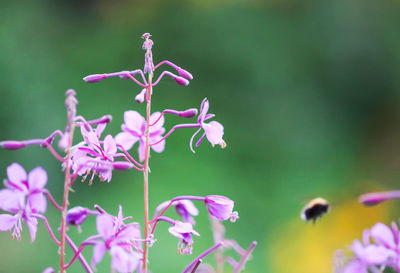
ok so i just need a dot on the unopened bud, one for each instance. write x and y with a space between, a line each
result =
185 74
189 113
140 97
122 165
76 216
95 78
181 81
12 145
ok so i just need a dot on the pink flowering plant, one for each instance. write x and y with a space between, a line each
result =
25 197
379 249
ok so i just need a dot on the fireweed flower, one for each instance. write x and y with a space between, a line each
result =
134 130
213 130
22 197
119 239
220 207
92 157
184 232
384 251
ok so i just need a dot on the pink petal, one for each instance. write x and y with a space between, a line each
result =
11 200
134 121
110 147
105 225
189 206
32 226
16 174
123 261
37 202
126 140
7 221
142 151
37 178
98 253
159 125
383 235
159 147
99 129
214 132
355 266
204 107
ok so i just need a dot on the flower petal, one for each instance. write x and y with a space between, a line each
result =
159 125
110 147
159 147
99 129
11 200
37 179
214 132
7 221
203 109
355 266
16 174
98 253
32 226
382 234
123 261
37 202
134 121
105 225
126 140
142 151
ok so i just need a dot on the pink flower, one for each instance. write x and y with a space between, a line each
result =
92 156
118 239
184 232
220 207
213 130
134 130
22 197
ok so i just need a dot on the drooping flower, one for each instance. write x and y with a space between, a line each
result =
134 130
22 198
92 156
184 232
220 207
213 130
119 240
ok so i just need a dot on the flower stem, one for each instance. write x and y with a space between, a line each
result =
146 174
71 111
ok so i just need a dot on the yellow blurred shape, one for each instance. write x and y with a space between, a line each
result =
302 247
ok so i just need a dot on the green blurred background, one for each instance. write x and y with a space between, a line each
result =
308 92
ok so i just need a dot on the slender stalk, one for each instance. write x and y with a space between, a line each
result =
71 111
146 175
245 257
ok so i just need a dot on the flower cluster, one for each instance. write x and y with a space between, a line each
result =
379 248
93 156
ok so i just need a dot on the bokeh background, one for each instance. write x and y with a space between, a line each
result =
308 92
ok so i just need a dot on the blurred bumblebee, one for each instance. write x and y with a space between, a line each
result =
314 209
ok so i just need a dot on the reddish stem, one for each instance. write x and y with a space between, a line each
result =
146 175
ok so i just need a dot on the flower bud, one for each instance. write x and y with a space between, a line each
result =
95 78
76 216
181 81
140 97
220 207
189 113
12 145
184 74
374 198
122 165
